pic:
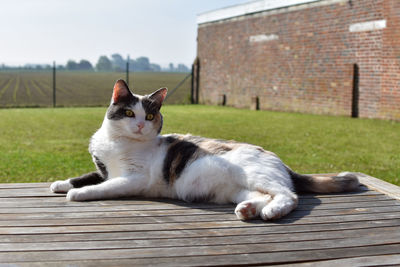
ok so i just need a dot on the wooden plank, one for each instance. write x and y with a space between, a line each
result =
187 215
300 212
162 225
37 226
24 185
94 208
30 202
45 192
256 253
28 192
383 260
273 229
384 233
380 185
180 205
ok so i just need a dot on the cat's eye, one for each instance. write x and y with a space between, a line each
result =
129 113
149 117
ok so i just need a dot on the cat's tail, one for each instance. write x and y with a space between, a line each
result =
342 182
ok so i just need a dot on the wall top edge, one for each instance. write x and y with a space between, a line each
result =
248 8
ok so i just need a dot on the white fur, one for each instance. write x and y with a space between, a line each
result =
61 186
257 181
342 174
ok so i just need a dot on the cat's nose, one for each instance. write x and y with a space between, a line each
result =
140 125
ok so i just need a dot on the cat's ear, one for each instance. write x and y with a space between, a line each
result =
159 95
121 92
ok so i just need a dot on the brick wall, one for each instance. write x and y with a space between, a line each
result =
302 59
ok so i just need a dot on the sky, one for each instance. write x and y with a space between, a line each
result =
43 31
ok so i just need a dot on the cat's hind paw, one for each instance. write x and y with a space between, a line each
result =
61 186
246 211
274 211
271 213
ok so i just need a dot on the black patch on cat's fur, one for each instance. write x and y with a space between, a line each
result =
86 179
101 167
161 124
116 111
178 155
302 183
170 139
307 183
128 98
150 106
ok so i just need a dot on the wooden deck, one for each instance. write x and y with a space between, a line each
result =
38 228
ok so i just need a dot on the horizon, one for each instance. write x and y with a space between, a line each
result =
32 64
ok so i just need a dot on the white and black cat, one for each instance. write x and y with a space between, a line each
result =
133 159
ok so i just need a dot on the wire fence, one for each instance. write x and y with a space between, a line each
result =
24 88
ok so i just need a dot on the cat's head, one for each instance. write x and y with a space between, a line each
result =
135 116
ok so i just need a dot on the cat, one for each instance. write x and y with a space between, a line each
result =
133 159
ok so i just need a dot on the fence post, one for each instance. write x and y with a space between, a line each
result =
195 81
127 71
356 92
54 84
192 87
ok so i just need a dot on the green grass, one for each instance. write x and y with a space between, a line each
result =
48 144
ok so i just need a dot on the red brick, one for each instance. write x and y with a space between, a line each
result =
309 68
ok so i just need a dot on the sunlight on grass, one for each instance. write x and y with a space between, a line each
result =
48 144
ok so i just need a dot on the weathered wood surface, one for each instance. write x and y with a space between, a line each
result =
38 228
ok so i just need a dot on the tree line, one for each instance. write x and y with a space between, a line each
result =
114 63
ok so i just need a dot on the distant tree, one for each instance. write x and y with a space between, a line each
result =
104 64
85 65
182 68
171 67
155 67
142 64
71 65
118 63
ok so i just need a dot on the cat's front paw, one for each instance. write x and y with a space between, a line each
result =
77 194
61 186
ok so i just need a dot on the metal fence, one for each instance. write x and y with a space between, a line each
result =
46 88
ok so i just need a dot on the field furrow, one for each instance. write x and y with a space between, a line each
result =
37 97
6 95
38 88
22 89
28 90
4 88
24 95
16 88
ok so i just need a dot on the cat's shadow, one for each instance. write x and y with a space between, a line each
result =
210 211
307 210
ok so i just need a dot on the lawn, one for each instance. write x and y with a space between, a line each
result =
38 145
